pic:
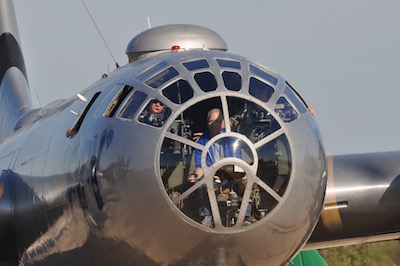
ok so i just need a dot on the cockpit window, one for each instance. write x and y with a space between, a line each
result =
260 90
228 63
295 100
117 100
162 77
251 120
155 113
263 75
178 92
194 65
220 175
150 72
206 81
232 80
82 116
226 148
285 110
133 104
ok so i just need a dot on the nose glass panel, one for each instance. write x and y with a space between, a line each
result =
225 176
250 119
228 147
230 184
285 110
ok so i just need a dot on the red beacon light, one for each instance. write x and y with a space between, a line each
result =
175 48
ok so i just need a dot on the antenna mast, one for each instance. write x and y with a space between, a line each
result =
97 28
148 22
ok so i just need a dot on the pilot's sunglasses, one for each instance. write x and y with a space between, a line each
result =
215 121
156 101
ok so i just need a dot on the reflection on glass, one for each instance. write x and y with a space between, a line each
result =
150 72
224 148
285 110
117 100
275 164
133 104
162 77
239 197
155 113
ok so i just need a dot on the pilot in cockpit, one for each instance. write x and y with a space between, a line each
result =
215 125
154 114
218 150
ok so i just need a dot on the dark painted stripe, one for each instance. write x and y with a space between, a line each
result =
331 217
10 55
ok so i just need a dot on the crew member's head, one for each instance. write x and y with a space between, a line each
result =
215 121
156 107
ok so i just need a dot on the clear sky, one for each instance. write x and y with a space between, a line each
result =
342 56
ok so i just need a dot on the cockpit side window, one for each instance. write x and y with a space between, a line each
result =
132 105
117 100
155 114
294 97
285 110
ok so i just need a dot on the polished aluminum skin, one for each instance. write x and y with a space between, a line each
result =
109 187
101 189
